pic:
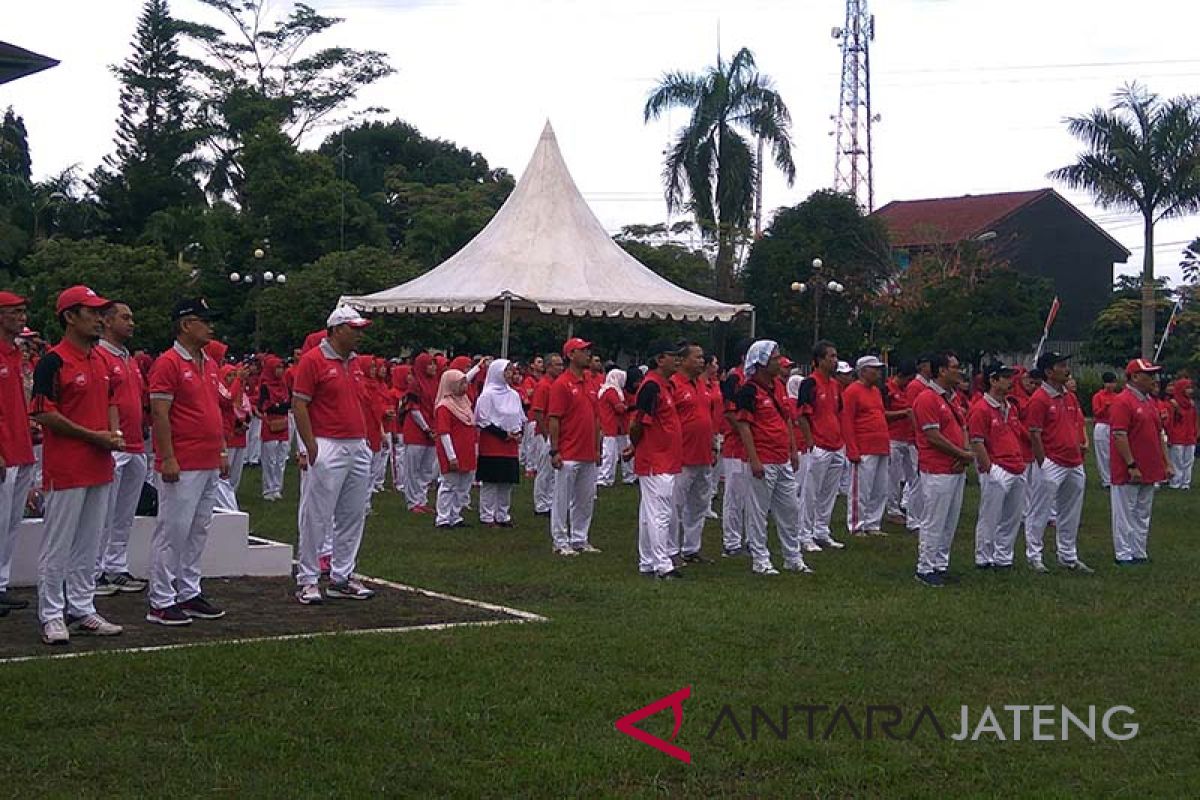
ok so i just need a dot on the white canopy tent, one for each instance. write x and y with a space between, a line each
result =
545 251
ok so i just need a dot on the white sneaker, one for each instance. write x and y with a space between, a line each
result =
55 632
1036 565
877 533
95 625
309 596
350 590
811 547
859 534
797 566
1076 566
765 569
587 548
566 552
831 542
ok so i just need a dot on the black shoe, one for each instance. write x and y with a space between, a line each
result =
443 526
10 603
461 524
947 577
733 552
1141 561
984 566
673 575
541 513
171 615
199 608
696 558
931 579
508 524
1002 567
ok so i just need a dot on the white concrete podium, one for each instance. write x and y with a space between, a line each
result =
229 552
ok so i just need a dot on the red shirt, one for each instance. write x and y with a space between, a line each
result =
934 410
541 402
1101 402
574 403
1059 419
768 420
916 387
490 444
900 429
464 437
864 426
235 436
731 445
15 443
612 413
74 384
1181 424
1136 415
997 427
660 450
694 406
195 409
126 384
821 401
335 389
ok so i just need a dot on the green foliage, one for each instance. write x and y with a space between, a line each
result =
143 277
433 222
1114 336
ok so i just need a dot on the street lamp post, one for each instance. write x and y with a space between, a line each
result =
818 285
262 279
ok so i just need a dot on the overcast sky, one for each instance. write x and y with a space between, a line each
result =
972 93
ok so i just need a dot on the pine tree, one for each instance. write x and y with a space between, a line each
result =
14 147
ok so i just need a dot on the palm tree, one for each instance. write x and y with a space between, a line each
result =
1143 155
713 167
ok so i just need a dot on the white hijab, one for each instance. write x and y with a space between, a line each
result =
614 381
793 386
498 403
758 355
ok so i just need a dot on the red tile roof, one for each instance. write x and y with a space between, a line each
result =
947 220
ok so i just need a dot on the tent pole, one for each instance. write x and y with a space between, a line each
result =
570 328
507 320
753 321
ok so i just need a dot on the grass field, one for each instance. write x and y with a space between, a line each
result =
528 710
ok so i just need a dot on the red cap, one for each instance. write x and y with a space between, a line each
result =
573 344
786 363
8 299
1141 365
79 296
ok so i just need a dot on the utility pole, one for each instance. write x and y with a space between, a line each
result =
854 171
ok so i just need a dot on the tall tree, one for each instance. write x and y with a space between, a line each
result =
16 191
1143 154
154 165
713 167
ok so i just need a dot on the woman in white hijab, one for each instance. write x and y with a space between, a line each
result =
611 406
501 420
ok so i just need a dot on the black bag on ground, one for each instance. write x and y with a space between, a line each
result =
148 501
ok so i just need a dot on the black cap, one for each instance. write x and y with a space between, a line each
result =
191 307
1037 375
997 370
1108 377
661 347
1047 360
923 358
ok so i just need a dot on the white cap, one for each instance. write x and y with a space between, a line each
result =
345 315
868 361
843 368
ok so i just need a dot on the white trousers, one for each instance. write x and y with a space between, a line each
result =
942 502
13 491
902 474
1001 509
574 501
185 510
714 483
1132 504
227 487
254 441
379 462
397 462
691 504
1101 439
543 484
868 495
1183 459
129 476
274 463
524 450
453 496
70 539
420 470
825 470
656 522
495 502
773 494
334 501
1061 489
733 506
610 456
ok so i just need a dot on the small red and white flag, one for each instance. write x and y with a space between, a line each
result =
1054 307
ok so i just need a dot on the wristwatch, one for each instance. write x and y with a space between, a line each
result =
1131 465
553 452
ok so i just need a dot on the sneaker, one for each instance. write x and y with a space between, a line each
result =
1036 565
859 534
55 632
930 579
10 603
947 577
508 523
565 552
171 615
1141 560
983 566
125 583
462 523
673 575
421 509
733 552
1076 566
696 558
765 569
1002 567
94 625
811 547
199 608
350 590
587 547
797 566
309 595
831 542
877 533
105 588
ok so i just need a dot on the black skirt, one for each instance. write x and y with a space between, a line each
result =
498 469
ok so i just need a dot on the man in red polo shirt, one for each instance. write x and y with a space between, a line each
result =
902 460
693 404
1139 461
1056 434
129 464
17 464
994 426
71 401
658 459
326 398
543 484
574 452
189 457
1102 432
942 457
820 424
865 431
763 423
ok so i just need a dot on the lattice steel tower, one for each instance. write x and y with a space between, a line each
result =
855 173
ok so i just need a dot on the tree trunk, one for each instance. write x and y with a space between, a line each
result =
1148 288
724 285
